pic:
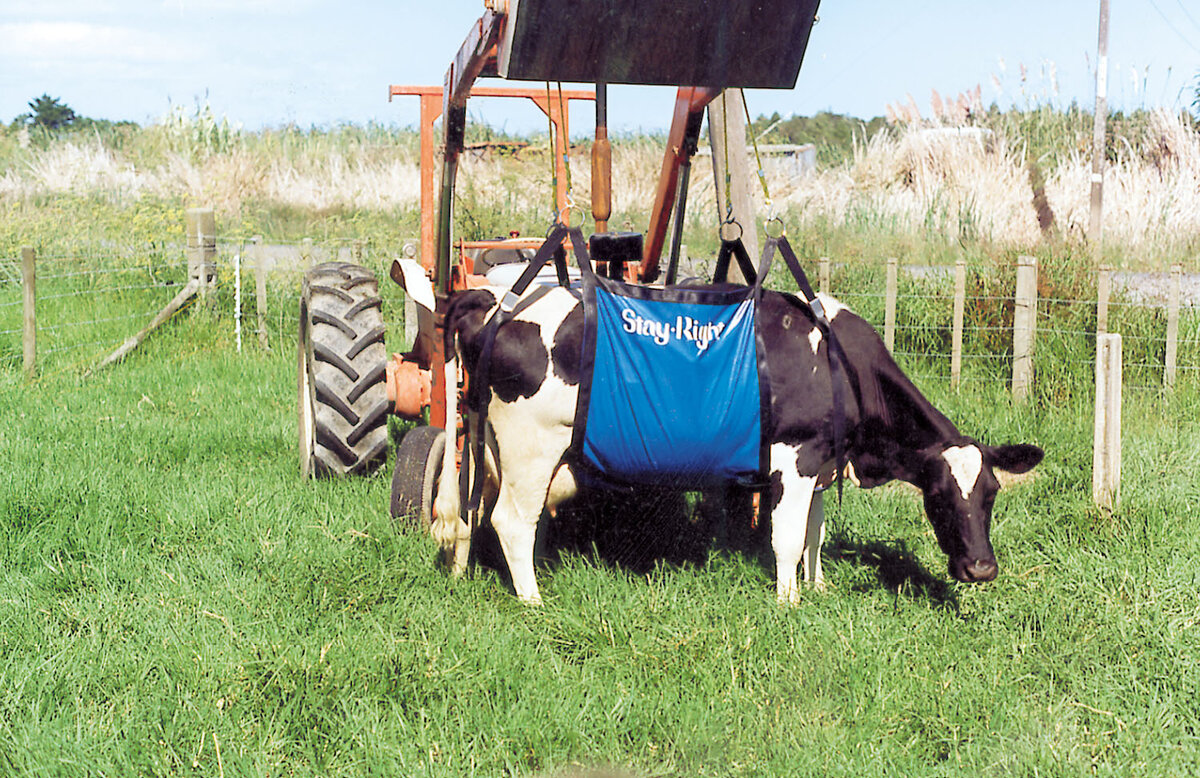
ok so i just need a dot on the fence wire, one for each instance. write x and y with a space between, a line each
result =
91 299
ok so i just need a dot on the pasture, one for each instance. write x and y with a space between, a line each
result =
175 601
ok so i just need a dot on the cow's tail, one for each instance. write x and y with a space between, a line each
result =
447 505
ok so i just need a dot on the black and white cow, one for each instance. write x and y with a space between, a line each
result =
891 432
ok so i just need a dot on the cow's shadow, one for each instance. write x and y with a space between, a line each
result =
621 529
639 531
896 568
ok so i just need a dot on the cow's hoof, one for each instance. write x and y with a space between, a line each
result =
453 563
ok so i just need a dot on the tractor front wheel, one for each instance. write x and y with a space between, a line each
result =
414 478
341 381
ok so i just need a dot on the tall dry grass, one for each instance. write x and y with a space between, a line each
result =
977 186
910 179
317 177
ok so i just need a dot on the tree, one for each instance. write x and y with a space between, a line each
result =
1196 96
48 112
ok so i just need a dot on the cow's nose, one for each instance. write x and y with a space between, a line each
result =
983 569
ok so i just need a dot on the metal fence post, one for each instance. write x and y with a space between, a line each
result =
889 304
29 326
410 305
956 335
1024 327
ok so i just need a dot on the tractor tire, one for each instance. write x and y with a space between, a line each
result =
341 376
414 477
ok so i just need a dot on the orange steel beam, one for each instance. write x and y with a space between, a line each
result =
476 56
431 110
690 102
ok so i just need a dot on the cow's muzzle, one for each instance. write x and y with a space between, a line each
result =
975 571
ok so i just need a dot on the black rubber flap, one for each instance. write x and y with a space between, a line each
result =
717 43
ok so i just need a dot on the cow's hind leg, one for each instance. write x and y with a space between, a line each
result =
529 456
515 519
797 525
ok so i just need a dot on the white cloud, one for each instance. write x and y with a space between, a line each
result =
68 9
58 42
239 6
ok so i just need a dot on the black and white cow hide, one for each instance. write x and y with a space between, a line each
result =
891 432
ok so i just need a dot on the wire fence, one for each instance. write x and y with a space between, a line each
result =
1159 322
93 300
85 300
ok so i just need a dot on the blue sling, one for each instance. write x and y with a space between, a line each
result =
673 389
671 393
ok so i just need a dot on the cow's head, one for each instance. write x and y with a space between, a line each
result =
960 486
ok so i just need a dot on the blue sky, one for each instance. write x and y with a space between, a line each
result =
309 62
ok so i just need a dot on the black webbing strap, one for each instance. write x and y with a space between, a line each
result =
837 357
511 304
737 250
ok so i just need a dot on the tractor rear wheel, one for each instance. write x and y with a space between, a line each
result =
341 381
414 477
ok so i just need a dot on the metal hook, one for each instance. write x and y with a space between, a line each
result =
774 220
564 216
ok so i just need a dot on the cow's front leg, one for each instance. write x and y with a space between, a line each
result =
796 532
814 537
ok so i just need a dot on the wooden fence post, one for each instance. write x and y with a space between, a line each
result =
889 304
1103 291
960 310
260 289
357 250
201 226
1172 327
823 275
1024 327
306 255
727 138
29 334
237 300
1106 434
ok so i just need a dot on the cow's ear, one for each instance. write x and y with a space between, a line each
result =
1016 458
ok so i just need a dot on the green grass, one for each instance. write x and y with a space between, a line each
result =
174 600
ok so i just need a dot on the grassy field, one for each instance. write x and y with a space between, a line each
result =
175 601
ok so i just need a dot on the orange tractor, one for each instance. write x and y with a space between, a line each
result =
347 386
